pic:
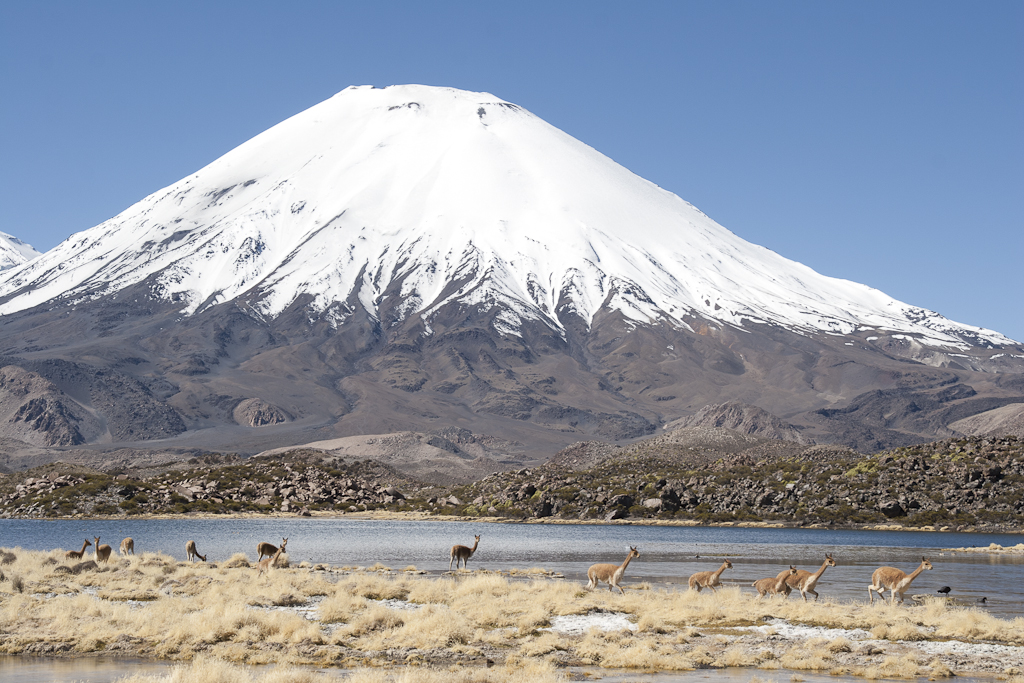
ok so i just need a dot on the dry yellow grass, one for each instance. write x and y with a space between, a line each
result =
154 606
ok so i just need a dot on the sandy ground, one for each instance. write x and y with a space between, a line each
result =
991 549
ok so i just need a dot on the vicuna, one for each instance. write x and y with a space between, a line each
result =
191 553
266 549
895 580
610 573
461 552
77 554
775 585
804 581
102 551
709 579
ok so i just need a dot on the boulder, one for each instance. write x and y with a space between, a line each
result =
890 508
625 500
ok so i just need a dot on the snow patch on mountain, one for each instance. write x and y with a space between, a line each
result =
14 252
448 196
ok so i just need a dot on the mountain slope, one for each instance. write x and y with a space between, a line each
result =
445 195
14 252
411 259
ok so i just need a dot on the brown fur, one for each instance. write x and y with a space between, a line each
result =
709 579
265 549
77 554
191 553
267 563
895 580
128 546
102 551
610 573
461 552
776 584
804 581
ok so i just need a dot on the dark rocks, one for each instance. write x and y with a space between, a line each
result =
818 485
890 508
624 500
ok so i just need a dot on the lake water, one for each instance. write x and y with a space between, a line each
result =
108 670
668 554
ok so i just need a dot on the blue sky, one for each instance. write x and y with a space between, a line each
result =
880 142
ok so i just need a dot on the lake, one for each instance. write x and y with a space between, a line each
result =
668 554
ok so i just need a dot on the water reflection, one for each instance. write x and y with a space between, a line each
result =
86 670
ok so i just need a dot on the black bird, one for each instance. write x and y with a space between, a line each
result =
983 600
944 590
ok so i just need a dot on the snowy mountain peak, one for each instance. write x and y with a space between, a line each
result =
439 196
14 252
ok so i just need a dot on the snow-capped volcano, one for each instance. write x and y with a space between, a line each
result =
14 252
436 196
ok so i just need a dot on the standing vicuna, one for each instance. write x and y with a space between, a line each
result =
191 553
128 546
709 579
267 549
77 554
804 581
267 563
610 573
102 551
775 584
461 552
895 580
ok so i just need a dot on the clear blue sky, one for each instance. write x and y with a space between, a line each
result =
882 142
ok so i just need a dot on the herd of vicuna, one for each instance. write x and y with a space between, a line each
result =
883 579
891 579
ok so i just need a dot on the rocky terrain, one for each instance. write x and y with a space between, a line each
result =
969 482
692 474
298 482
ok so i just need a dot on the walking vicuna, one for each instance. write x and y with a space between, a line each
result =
127 546
461 552
610 573
895 580
709 579
804 581
775 584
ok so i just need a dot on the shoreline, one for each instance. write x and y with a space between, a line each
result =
387 515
